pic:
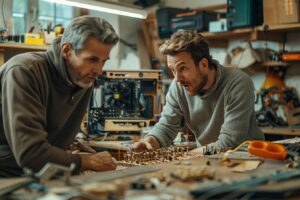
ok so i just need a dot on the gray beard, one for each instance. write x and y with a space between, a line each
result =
83 85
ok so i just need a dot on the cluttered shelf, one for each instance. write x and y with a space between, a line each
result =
281 131
265 32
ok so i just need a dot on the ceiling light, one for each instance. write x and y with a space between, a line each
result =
104 6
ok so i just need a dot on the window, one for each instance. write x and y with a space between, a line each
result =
51 13
20 8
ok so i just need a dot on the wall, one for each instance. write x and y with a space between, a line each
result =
114 61
6 15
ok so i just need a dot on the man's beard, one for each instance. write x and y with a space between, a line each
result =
202 84
78 82
83 85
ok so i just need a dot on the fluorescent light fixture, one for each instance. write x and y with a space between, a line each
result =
104 6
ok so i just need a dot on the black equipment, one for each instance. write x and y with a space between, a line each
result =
164 16
199 21
244 13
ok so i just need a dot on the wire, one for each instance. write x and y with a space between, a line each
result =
225 155
3 18
131 46
196 137
104 137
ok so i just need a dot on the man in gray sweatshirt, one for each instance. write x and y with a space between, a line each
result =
215 103
44 96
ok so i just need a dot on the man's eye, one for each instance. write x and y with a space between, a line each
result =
93 60
181 69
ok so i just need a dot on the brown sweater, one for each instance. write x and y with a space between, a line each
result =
41 111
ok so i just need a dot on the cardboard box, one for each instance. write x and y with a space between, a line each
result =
281 11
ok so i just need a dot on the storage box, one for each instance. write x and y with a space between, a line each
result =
34 38
218 26
281 11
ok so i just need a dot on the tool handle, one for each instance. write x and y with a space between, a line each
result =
266 149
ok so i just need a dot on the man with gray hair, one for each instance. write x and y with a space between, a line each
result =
44 96
215 103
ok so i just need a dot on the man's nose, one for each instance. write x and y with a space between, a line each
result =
99 69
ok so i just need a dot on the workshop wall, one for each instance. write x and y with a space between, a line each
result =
293 43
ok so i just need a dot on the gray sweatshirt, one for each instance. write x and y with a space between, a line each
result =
41 111
222 117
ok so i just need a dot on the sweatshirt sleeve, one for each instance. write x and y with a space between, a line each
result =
171 119
24 121
239 107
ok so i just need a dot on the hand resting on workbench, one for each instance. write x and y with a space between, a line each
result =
148 143
198 151
97 162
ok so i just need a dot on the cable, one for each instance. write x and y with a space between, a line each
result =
196 137
131 46
3 18
104 137
225 155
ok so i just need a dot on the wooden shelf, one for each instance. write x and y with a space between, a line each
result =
265 32
274 64
9 49
281 131
14 45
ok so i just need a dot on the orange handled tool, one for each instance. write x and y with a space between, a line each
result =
262 149
267 150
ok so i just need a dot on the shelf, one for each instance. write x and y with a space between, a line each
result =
14 45
274 64
281 131
266 32
9 49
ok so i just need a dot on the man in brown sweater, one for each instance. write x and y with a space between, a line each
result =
44 96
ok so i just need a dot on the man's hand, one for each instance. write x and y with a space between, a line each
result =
148 143
77 147
198 150
97 162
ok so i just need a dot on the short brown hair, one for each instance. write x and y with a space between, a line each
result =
188 41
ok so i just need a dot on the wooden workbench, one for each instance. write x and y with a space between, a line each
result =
173 188
178 189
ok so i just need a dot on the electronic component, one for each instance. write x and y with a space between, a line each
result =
244 13
199 21
125 101
161 155
164 16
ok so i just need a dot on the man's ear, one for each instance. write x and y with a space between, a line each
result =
203 65
66 50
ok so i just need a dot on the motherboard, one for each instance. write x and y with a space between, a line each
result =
125 101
